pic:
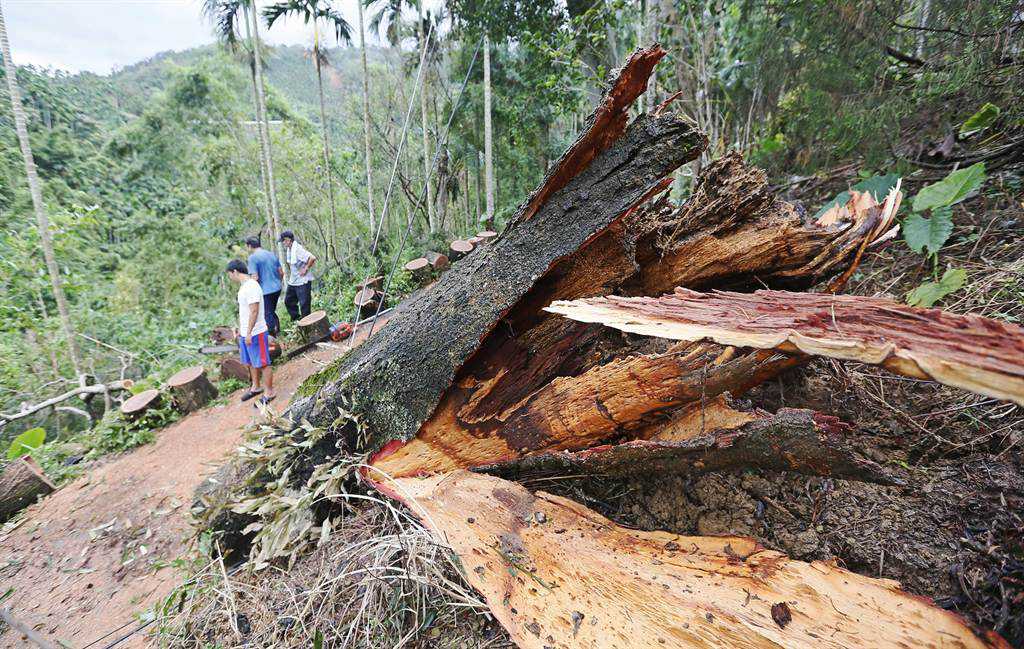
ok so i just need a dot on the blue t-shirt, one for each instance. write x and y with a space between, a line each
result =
265 265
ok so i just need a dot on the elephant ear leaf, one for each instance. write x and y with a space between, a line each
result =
981 120
952 189
25 443
924 234
927 294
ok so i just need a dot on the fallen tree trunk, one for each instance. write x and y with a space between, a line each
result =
22 481
966 351
557 574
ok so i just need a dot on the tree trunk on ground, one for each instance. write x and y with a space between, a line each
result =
35 190
263 125
316 326
191 389
136 406
438 261
488 138
332 229
367 151
22 481
555 573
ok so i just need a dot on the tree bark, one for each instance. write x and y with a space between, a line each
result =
488 139
555 573
22 481
232 368
191 389
35 190
368 157
602 178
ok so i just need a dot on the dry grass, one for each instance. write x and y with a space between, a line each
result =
379 580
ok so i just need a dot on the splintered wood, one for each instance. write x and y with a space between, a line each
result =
557 574
966 351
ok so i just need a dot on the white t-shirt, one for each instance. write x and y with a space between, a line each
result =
250 293
298 258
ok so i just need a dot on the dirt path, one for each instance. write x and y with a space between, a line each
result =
86 560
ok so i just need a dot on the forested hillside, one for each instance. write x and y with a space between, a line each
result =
153 176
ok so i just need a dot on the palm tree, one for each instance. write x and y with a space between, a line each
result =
225 14
42 221
315 12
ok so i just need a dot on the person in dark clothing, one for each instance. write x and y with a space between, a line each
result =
298 296
266 269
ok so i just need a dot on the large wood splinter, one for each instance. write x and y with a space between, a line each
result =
966 351
557 574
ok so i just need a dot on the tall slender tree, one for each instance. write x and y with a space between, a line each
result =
366 119
42 220
225 16
315 12
488 137
421 31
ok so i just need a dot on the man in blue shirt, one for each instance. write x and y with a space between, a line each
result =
266 269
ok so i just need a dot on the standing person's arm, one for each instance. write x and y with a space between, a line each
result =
254 314
307 262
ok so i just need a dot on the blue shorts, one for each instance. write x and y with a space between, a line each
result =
258 353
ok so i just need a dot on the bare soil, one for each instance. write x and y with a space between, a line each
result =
90 558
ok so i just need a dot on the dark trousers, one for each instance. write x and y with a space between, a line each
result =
270 312
297 300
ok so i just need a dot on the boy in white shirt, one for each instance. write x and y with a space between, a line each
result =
253 339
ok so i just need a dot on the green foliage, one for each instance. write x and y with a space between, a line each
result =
26 443
927 294
952 189
928 234
981 120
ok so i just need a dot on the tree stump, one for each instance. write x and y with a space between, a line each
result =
222 335
476 241
438 261
133 407
420 269
232 368
191 389
371 282
314 327
367 301
21 482
459 249
487 235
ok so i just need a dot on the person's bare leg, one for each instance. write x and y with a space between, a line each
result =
254 379
268 380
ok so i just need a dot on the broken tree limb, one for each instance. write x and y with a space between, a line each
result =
436 339
578 412
22 481
98 388
965 351
555 573
801 441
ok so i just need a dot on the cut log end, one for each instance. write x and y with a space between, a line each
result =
487 235
314 326
191 389
232 368
136 405
367 301
420 269
459 249
438 261
22 481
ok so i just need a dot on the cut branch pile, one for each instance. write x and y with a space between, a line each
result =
475 373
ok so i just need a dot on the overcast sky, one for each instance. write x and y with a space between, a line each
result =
97 35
